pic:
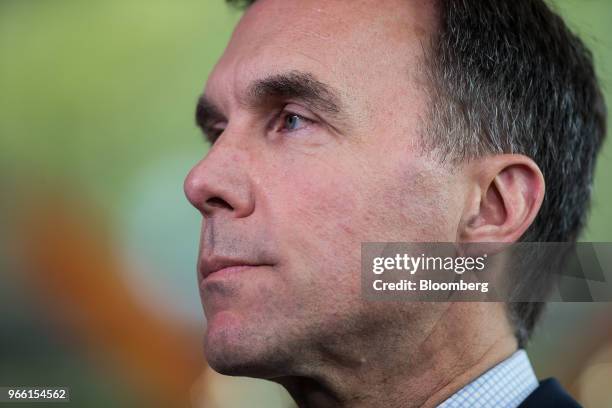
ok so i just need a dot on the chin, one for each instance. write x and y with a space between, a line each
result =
233 348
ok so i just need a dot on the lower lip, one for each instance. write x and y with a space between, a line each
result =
230 270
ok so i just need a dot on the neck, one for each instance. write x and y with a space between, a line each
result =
398 368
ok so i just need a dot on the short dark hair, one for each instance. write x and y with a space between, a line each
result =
511 77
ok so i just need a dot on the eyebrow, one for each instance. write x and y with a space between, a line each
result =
293 85
298 85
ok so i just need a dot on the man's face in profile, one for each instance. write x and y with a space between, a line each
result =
316 108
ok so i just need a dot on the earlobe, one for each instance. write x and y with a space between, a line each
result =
508 191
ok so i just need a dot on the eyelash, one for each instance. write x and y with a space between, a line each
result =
214 134
284 114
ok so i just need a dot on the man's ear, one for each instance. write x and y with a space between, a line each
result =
505 195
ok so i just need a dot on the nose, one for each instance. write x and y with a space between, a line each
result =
220 184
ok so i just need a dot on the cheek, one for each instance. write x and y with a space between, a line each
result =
323 213
323 209
319 195
320 228
420 208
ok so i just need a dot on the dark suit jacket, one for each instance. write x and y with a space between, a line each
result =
548 395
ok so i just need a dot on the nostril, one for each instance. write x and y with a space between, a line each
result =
217 202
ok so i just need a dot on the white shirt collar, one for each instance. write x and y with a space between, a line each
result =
505 386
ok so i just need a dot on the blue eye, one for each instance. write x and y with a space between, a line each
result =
292 122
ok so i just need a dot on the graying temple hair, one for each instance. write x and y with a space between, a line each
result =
510 77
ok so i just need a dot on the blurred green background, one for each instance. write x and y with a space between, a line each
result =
97 242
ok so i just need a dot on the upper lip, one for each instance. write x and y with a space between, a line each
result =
213 264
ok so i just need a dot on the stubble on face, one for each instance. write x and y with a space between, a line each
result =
319 194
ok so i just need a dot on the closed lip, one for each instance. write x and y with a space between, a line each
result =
208 266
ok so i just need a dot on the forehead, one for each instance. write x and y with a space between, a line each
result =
348 43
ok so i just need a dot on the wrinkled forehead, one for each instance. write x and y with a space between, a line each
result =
348 43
